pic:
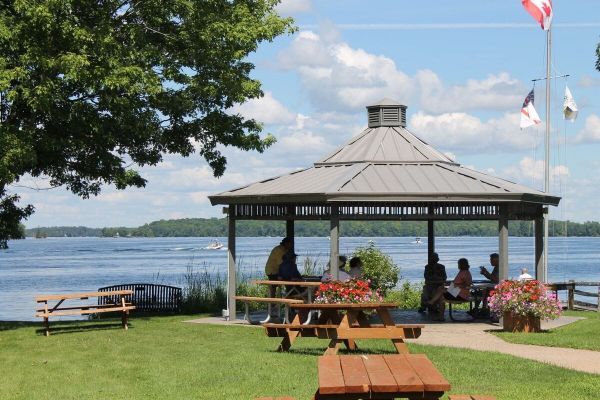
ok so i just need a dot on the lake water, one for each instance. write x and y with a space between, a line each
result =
61 265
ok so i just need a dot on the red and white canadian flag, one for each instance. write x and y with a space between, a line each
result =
540 10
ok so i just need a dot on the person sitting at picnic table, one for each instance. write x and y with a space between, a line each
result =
459 289
494 278
435 277
524 275
288 271
355 267
274 261
342 274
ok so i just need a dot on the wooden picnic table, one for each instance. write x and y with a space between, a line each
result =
114 302
411 376
344 323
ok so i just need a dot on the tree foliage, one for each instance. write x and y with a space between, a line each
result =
91 89
213 227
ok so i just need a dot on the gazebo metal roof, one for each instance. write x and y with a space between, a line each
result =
384 163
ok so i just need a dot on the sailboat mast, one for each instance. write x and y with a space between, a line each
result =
547 153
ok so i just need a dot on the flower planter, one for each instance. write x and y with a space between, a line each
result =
520 323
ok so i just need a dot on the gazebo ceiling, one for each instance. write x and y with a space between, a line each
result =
384 163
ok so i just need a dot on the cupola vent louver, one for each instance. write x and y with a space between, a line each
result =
387 113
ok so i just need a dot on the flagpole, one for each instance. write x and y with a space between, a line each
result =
547 151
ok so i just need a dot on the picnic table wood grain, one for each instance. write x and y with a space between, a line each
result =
392 376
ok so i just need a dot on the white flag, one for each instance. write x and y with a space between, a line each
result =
569 106
529 116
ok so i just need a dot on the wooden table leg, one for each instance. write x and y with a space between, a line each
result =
125 314
290 336
46 322
387 320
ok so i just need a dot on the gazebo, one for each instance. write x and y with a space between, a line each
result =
386 173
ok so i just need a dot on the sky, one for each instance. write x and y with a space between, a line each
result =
463 69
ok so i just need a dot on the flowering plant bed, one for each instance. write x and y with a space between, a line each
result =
352 291
524 298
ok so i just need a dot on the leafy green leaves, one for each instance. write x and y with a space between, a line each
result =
90 87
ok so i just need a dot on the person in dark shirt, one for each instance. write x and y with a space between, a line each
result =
494 278
435 276
288 271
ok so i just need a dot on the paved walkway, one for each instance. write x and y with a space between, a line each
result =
477 336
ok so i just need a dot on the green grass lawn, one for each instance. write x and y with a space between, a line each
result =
164 358
582 334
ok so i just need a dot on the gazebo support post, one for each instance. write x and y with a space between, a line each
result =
539 248
289 231
430 239
503 243
334 242
231 267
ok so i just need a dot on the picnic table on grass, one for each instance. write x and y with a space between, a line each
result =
113 301
343 323
411 376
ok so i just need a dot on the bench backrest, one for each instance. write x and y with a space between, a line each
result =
149 296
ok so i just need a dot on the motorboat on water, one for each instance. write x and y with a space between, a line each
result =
417 240
214 245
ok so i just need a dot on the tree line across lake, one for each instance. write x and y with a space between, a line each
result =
215 227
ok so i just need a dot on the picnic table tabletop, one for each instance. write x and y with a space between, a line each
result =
379 376
43 298
344 306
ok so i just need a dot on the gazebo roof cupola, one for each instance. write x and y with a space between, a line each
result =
386 140
387 112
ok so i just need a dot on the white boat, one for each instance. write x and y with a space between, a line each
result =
214 245
417 241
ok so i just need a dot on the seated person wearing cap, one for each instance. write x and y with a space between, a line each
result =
288 271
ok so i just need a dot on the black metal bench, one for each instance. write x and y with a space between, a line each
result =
149 297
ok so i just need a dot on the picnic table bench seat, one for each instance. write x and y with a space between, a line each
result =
269 300
114 302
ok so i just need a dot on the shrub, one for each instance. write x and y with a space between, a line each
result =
408 296
378 267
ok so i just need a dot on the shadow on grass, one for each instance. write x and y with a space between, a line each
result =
11 325
79 326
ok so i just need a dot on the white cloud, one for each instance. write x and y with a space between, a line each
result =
496 92
530 170
291 7
467 134
590 132
587 81
339 77
343 78
266 110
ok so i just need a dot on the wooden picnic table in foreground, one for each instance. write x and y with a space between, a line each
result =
344 323
392 376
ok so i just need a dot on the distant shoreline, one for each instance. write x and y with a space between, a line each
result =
217 227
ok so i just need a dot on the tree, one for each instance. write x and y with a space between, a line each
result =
93 89
598 57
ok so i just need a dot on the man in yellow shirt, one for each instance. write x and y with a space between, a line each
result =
275 259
